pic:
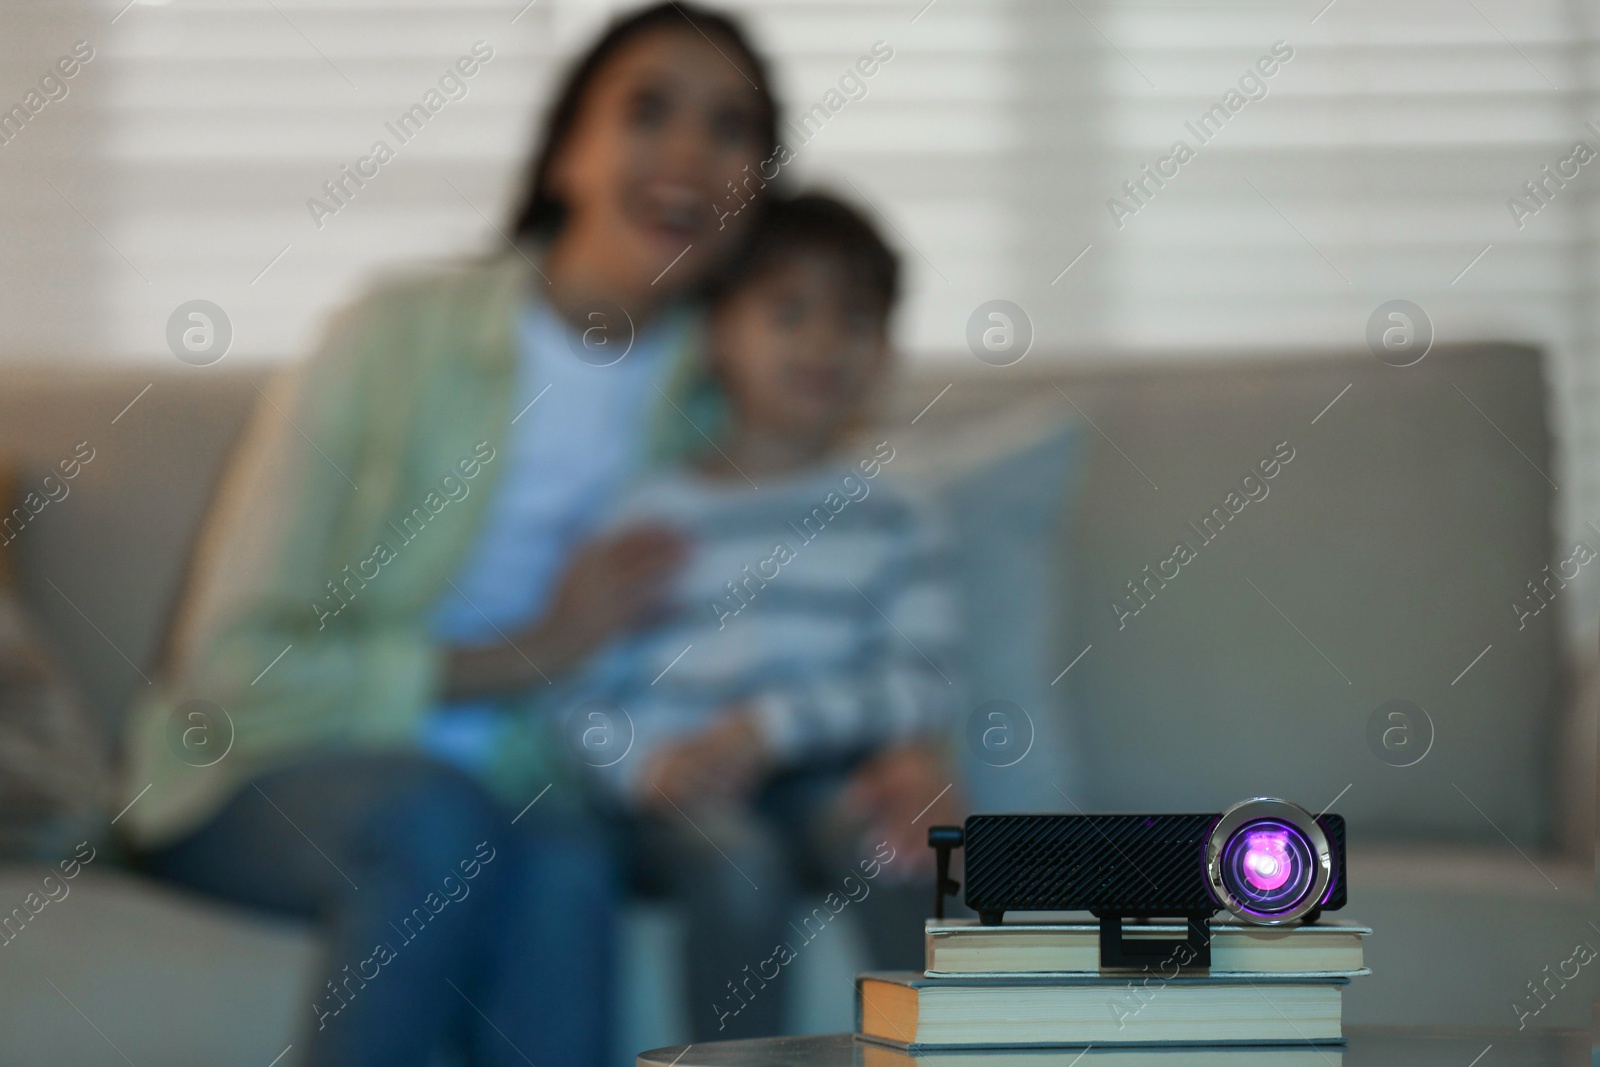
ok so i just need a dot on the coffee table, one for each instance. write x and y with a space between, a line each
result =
1395 1047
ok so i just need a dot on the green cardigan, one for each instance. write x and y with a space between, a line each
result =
350 504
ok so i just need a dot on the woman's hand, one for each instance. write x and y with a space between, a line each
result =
899 794
724 763
611 585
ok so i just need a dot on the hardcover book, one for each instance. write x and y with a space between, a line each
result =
875 1054
914 1012
963 947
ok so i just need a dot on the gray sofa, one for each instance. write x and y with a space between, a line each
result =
1378 563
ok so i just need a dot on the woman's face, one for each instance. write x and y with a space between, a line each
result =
667 123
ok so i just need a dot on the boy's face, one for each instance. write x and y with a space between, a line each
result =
800 349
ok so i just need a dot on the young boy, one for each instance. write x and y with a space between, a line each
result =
779 709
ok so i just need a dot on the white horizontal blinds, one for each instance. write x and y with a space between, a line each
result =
1378 166
225 119
930 142
50 274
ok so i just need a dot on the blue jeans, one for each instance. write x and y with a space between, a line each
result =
740 873
447 927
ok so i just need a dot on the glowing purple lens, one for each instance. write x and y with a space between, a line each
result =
1266 859
1268 865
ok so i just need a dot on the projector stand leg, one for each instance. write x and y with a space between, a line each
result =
987 917
1191 951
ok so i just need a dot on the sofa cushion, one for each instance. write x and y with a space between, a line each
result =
1006 481
121 967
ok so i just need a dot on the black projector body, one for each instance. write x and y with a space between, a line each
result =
1267 861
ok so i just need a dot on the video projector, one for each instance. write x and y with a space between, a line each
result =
1268 861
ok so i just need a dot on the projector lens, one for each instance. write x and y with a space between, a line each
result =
1268 861
1267 865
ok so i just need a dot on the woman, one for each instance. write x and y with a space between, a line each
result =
397 566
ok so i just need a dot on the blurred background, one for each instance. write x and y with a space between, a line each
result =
1378 166
1180 329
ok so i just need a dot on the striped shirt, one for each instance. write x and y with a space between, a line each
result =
821 601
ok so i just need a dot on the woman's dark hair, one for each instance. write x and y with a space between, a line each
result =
542 212
815 222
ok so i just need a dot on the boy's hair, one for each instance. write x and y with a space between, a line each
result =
814 222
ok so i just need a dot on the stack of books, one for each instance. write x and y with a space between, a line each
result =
1040 986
